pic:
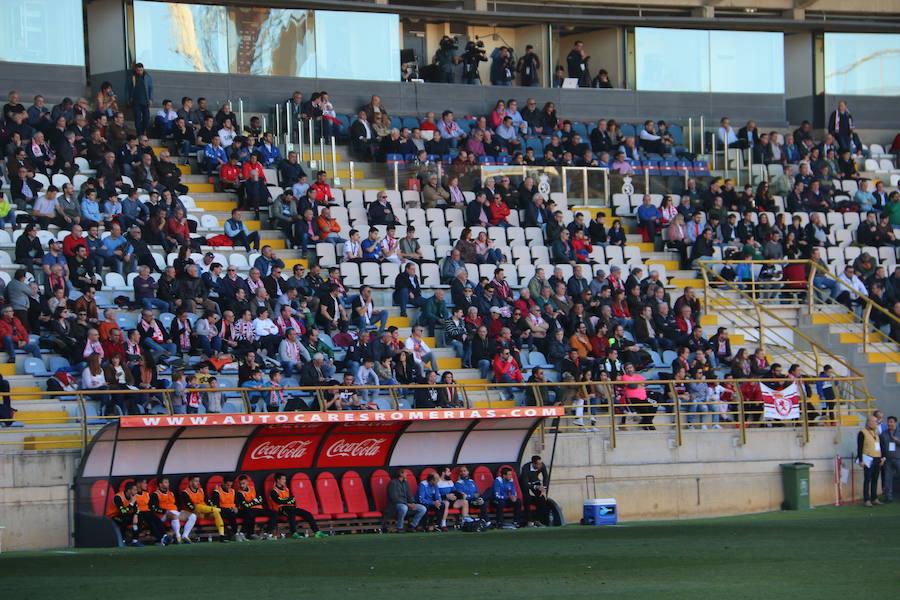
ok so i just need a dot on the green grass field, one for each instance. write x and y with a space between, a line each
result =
823 553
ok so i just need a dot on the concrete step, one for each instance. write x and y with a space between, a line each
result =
42 417
826 318
51 442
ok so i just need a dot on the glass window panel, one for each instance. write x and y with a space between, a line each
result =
735 68
865 64
672 59
271 41
181 37
353 45
42 31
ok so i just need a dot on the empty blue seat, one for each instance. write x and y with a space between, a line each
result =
701 168
580 129
629 130
411 122
392 158
396 122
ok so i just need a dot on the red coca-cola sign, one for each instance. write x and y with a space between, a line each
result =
271 453
355 450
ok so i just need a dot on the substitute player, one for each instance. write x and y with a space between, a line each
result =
162 502
284 500
250 506
146 517
125 513
193 498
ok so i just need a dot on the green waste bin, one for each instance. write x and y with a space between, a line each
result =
795 479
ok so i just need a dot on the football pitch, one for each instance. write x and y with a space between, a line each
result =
823 553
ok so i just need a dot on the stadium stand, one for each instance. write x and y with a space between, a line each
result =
586 270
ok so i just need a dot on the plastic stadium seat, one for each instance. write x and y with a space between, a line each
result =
378 483
350 273
212 483
326 253
330 497
426 472
101 492
483 478
355 496
302 488
36 367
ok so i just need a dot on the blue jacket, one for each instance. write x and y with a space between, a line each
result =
213 154
130 91
467 487
111 244
269 155
90 210
427 494
265 265
503 489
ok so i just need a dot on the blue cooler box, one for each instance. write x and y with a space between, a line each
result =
600 511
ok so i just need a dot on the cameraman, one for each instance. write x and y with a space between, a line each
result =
528 68
501 67
473 55
445 58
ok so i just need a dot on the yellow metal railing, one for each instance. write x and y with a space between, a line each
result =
589 399
865 318
747 312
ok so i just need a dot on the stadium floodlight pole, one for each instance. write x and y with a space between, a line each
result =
702 140
691 135
335 179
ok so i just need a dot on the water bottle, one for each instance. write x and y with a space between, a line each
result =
209 538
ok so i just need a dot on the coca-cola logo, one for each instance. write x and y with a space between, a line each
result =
293 449
366 447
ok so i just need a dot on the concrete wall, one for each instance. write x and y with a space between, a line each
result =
106 35
53 81
710 474
409 98
35 502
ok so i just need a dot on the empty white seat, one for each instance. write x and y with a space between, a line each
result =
370 273
389 272
454 217
43 179
851 220
326 253
614 254
430 275
353 196
410 198
83 165
534 236
59 180
515 236
886 165
540 254
871 165
209 223
511 273
350 274
116 282
876 150
526 272
370 196
238 260
435 216
498 234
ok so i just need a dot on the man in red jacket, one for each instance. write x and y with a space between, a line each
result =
506 370
14 336
73 240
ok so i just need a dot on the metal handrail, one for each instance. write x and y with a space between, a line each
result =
870 305
817 348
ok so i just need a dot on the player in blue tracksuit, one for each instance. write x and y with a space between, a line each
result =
467 488
429 496
454 498
503 495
